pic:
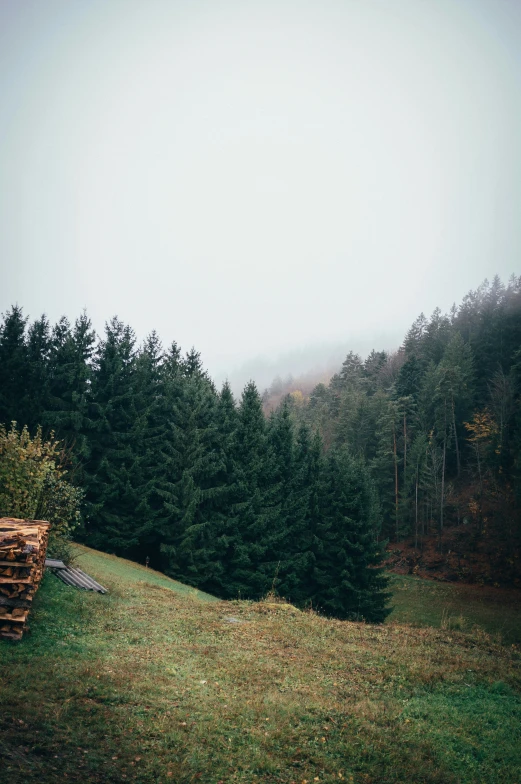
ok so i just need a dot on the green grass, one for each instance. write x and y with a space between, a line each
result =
152 683
457 606
116 571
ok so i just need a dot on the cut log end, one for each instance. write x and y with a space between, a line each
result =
23 544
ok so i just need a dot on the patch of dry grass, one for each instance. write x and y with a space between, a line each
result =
152 684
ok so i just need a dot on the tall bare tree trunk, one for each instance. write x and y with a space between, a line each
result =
480 491
404 453
442 489
416 515
455 438
442 492
395 481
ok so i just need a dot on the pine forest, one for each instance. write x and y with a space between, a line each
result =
420 448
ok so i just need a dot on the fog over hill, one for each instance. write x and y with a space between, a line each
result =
319 361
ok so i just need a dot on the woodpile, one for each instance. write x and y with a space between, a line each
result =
23 544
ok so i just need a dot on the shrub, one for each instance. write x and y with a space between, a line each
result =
33 485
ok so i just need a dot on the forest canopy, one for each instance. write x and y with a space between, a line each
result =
395 447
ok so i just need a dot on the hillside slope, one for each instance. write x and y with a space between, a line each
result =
156 682
118 571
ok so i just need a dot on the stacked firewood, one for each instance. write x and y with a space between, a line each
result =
22 559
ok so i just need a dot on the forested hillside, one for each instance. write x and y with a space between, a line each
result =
413 447
172 469
438 424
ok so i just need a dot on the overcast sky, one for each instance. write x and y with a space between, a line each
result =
257 177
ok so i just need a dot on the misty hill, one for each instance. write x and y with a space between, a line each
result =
300 388
438 424
316 361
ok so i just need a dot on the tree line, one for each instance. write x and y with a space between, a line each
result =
214 493
397 447
437 423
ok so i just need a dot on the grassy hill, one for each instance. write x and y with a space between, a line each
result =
157 682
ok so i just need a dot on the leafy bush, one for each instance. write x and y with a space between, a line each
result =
33 485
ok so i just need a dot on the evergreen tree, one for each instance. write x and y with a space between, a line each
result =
515 439
352 369
225 534
319 413
190 543
299 583
151 435
415 485
385 467
69 384
436 337
410 378
14 369
349 582
454 387
37 377
113 470
356 421
252 514
288 542
373 367
414 338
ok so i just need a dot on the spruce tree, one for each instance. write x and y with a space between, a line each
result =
151 438
287 542
190 537
69 384
253 515
372 373
350 584
385 467
410 376
14 368
113 470
225 495
37 378
304 547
